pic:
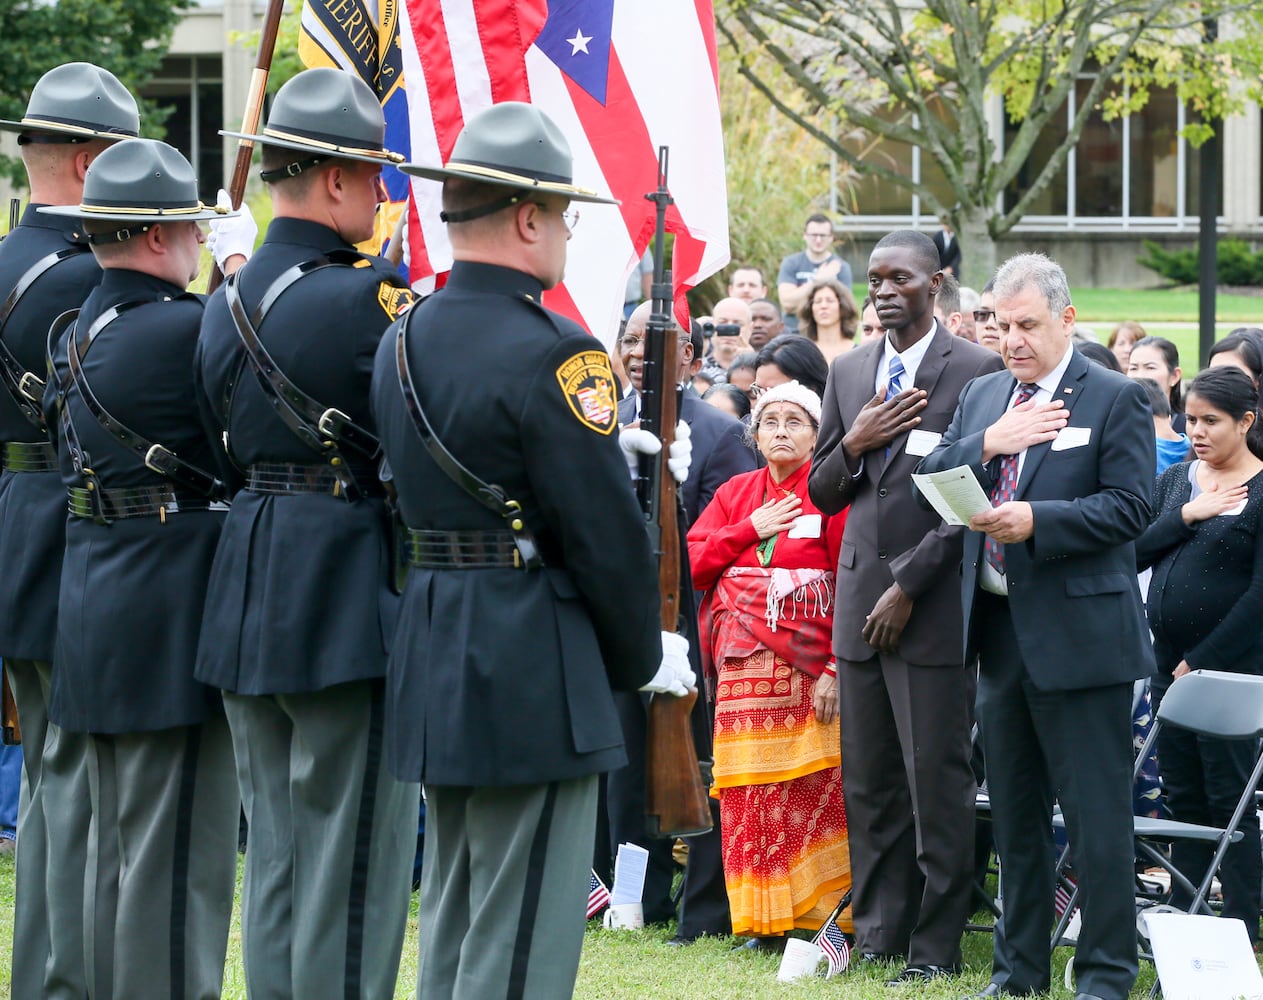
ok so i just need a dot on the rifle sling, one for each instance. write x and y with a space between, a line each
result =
487 494
26 389
156 457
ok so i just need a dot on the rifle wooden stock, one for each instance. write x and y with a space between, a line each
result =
9 716
250 117
676 801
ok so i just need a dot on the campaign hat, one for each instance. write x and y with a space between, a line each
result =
514 145
141 181
78 101
329 113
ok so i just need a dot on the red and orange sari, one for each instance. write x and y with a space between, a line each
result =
766 636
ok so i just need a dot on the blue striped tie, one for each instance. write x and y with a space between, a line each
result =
893 374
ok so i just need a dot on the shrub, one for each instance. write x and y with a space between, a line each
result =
1236 263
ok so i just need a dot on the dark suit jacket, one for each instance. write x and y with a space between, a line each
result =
889 536
719 449
1073 596
948 256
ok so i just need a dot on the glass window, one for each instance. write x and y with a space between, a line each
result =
1052 200
867 195
1098 171
1154 179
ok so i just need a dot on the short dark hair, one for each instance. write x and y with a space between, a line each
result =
948 297
768 302
1157 394
922 247
798 358
749 360
1100 354
818 217
748 267
1245 341
739 399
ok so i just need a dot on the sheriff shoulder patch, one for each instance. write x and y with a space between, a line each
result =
587 382
393 299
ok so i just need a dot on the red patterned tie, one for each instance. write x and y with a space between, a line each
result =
1006 486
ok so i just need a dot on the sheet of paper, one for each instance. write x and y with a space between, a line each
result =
1200 957
954 493
629 874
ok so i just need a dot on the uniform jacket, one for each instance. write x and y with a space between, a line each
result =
299 596
33 505
502 676
719 449
889 536
132 590
1076 575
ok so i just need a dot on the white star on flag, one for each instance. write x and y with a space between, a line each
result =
580 43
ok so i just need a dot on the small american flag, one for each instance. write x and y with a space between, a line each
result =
1061 895
835 945
598 896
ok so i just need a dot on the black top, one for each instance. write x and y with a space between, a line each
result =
33 505
1206 595
132 590
500 676
299 598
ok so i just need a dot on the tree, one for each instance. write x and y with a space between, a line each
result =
127 37
923 73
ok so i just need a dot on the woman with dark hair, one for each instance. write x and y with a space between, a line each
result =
829 317
1205 601
1243 348
1159 359
730 399
790 357
1100 354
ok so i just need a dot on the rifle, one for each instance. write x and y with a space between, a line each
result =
676 803
250 117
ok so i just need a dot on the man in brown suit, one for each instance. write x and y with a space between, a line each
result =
906 699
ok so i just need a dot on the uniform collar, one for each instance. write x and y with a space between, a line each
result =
33 218
121 283
304 232
471 276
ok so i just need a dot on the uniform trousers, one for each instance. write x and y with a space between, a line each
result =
53 818
1074 747
162 862
332 839
504 891
910 796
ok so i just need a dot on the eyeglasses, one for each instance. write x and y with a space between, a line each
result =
792 426
983 315
629 342
569 216
818 236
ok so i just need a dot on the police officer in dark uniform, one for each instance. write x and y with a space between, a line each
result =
300 611
75 112
525 603
145 503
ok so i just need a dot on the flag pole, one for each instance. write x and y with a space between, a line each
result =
250 117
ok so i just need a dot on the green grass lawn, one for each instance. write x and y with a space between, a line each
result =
640 965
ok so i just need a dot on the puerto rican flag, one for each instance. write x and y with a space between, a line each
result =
620 78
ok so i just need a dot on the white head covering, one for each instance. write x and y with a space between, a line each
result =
789 392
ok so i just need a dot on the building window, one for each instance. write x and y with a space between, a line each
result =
192 87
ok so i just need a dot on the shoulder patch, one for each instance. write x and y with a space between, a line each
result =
587 382
393 299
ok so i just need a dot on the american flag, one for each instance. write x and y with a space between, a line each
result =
598 896
1061 895
620 78
835 946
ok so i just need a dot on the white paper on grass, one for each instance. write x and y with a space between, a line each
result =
1203 958
629 874
955 494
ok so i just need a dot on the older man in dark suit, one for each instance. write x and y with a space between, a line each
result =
1065 450
905 694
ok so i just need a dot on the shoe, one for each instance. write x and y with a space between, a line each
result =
881 957
923 974
684 940
1086 996
996 990
771 945
7 845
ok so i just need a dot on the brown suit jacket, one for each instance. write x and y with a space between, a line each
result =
889 535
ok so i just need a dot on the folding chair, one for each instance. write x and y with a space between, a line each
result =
1210 703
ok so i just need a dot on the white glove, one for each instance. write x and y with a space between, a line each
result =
231 235
674 676
636 442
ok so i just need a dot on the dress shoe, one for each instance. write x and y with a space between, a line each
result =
996 990
1086 996
881 957
768 945
923 974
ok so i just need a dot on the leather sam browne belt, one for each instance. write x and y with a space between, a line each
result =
139 501
462 549
25 456
286 478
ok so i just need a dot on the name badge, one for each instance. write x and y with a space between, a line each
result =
921 443
1071 437
805 526
1239 508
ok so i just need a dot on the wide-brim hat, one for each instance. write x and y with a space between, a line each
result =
326 112
140 180
515 145
79 101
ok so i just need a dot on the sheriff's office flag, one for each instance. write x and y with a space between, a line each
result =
620 78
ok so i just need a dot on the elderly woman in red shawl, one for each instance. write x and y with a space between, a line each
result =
765 556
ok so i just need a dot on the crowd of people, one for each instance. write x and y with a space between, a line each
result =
265 552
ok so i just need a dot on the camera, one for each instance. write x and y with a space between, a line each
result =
727 329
